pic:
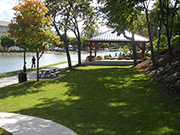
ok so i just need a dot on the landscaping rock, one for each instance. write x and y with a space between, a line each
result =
177 84
168 70
172 78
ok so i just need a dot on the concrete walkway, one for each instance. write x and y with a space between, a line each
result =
27 125
30 76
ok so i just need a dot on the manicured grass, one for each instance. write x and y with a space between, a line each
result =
28 70
103 100
4 132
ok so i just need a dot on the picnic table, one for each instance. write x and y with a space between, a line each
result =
49 72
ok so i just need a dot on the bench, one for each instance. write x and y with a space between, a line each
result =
54 73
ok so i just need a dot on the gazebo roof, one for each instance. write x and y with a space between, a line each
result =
110 36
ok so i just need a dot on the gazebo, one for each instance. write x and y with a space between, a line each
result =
113 37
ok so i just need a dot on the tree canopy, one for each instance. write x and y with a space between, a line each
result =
31 27
68 14
7 40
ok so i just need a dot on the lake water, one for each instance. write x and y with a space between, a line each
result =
13 63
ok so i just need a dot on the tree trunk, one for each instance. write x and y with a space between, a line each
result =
159 32
37 55
150 38
66 45
67 51
79 51
159 40
168 35
134 50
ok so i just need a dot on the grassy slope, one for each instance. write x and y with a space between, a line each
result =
98 100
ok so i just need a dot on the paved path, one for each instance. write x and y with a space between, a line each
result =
30 76
27 125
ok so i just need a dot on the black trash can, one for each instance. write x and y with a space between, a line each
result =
22 76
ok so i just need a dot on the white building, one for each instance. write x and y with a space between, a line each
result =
3 27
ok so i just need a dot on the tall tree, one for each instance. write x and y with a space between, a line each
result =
146 7
158 19
61 9
169 9
68 14
122 15
31 27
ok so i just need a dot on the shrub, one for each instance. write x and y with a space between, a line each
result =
120 57
145 58
128 58
106 57
175 42
164 50
3 50
125 49
162 44
99 57
93 57
13 50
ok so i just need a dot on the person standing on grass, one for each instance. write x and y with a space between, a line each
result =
33 62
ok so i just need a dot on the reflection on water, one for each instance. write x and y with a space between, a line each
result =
13 63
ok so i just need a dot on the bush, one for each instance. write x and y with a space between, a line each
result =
125 49
13 50
106 57
99 57
162 44
164 50
145 58
93 58
120 57
175 42
128 58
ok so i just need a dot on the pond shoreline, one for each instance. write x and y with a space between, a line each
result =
34 53
27 53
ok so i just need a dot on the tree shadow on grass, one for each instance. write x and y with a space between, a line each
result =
21 89
110 101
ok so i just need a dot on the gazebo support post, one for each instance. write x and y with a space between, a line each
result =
143 50
90 52
95 44
142 47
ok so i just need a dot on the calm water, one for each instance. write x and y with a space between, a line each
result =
13 63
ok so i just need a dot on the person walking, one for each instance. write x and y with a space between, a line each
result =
33 62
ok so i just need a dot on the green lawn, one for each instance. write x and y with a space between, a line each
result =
4 132
103 100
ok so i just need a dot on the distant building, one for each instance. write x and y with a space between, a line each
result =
3 27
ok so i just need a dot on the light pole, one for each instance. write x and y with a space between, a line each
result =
22 76
24 68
